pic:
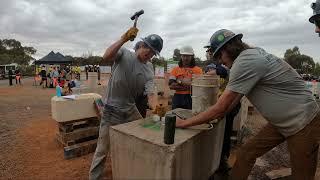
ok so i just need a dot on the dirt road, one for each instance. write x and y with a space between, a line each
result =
27 136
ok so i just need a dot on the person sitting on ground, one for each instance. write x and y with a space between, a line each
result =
181 77
66 89
63 74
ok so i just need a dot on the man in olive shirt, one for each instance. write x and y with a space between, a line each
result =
278 93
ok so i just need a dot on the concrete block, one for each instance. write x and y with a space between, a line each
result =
82 107
139 153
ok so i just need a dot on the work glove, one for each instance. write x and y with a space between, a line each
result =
130 34
160 110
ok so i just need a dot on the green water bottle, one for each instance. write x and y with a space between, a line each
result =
169 129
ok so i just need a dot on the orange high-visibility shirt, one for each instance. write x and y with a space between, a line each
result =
184 75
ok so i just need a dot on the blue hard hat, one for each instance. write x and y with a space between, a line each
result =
155 42
220 38
316 11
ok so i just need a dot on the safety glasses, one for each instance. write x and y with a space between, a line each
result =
209 51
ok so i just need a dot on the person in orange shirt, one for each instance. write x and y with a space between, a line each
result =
181 78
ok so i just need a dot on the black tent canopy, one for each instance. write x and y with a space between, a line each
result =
53 58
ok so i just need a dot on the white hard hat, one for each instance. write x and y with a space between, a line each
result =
186 50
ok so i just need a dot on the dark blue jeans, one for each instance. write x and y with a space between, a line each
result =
182 101
228 131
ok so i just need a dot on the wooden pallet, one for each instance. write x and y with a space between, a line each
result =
70 126
80 149
78 137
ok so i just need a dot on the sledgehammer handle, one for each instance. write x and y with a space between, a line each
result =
135 18
134 25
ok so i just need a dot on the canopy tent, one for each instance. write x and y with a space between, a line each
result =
53 58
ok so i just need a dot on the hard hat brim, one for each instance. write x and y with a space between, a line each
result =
312 18
222 44
190 54
149 45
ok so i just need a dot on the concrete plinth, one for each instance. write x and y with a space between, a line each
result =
139 153
82 107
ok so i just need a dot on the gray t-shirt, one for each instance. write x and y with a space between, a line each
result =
274 88
130 78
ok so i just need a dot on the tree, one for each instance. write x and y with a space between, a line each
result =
200 63
291 52
70 58
87 60
159 62
11 51
290 56
316 70
302 63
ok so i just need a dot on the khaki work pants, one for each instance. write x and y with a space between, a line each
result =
303 148
111 116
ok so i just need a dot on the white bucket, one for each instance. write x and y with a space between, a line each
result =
205 90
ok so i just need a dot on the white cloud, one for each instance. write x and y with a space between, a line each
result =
79 26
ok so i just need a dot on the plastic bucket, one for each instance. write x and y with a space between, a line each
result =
205 90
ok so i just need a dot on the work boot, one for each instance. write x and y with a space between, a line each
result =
224 166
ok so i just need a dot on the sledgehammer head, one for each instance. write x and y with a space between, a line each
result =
137 14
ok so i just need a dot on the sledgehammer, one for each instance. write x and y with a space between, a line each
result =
135 17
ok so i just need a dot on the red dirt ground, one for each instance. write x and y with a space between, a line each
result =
27 138
29 149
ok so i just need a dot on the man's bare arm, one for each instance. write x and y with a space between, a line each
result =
225 103
112 50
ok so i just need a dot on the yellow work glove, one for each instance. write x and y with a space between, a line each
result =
130 34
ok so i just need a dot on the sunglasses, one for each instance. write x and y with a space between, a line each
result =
209 50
